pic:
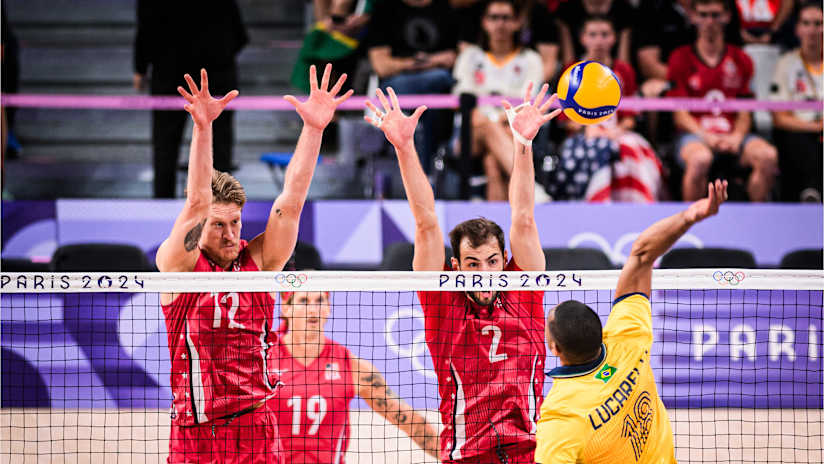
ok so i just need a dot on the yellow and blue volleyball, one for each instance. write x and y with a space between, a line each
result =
589 92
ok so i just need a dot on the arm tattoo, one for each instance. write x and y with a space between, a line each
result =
279 212
400 417
193 236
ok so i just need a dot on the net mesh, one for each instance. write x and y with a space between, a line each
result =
87 372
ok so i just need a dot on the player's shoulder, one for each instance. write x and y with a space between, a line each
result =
337 350
631 299
682 53
789 59
529 54
738 54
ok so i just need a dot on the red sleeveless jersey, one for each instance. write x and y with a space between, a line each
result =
217 346
489 365
313 404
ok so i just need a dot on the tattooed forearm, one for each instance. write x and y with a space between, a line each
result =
400 418
193 236
425 436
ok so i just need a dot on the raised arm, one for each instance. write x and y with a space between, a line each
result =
371 386
400 131
524 122
273 247
179 252
636 276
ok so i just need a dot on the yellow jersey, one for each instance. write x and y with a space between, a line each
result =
609 411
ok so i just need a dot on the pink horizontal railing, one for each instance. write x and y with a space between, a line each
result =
277 103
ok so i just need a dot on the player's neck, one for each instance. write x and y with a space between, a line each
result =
501 49
603 59
220 263
710 48
811 56
304 346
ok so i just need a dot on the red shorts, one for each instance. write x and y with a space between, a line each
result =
251 438
522 454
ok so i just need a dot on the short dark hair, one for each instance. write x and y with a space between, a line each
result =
597 18
723 3
478 231
576 330
810 4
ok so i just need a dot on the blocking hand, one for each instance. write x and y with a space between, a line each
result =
397 128
203 108
529 117
317 111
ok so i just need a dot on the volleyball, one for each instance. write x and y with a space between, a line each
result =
589 92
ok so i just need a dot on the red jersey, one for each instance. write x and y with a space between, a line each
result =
313 404
489 363
757 14
217 347
730 78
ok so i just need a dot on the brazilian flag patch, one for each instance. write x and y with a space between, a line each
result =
605 373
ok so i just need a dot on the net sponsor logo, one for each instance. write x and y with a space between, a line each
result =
69 281
291 280
465 281
728 278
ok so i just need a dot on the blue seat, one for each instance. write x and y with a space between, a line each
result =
277 162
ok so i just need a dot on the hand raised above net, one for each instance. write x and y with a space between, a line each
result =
398 128
527 118
706 207
317 111
203 108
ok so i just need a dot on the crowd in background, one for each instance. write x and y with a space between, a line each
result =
713 49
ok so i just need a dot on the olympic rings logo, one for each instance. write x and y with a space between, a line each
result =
291 280
728 277
415 351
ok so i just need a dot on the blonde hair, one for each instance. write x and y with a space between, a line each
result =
227 189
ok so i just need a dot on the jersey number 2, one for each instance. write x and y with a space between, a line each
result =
494 356
315 411
235 299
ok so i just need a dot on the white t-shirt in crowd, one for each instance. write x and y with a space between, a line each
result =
478 72
793 80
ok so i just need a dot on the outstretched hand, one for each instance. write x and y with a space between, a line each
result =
529 117
317 111
203 108
706 207
397 128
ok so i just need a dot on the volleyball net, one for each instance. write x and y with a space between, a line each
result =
86 369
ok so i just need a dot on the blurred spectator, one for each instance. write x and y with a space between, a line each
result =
500 66
412 47
335 38
571 16
538 29
671 28
762 19
179 37
9 81
798 76
714 70
607 161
